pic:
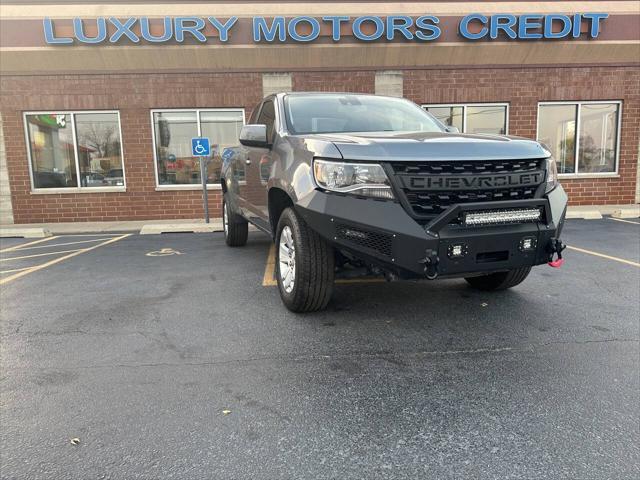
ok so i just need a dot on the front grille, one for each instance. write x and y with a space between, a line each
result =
379 242
424 203
428 203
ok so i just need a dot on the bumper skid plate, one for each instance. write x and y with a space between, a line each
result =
384 235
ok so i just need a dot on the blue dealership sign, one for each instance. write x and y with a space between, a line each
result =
200 147
365 28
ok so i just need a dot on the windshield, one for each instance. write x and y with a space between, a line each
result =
341 113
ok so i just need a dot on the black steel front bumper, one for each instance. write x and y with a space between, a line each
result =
382 233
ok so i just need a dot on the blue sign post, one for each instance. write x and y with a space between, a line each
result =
200 147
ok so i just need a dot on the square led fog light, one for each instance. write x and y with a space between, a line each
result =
457 250
527 244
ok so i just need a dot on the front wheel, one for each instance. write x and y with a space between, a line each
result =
500 280
236 228
304 265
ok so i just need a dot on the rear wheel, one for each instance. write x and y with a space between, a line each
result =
236 228
500 280
304 265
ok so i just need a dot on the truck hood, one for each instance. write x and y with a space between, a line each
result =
421 146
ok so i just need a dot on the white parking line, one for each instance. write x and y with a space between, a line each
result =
66 243
8 259
17 275
14 270
17 247
625 221
602 255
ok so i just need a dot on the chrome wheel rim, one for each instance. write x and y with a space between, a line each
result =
225 220
287 260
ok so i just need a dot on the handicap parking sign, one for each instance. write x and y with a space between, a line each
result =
200 147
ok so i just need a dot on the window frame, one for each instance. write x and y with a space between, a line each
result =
79 188
274 129
210 186
578 104
477 104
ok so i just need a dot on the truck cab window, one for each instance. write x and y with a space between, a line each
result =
267 117
254 114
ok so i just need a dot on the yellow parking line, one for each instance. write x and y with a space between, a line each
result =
60 259
269 277
7 259
17 247
361 280
66 243
625 221
602 255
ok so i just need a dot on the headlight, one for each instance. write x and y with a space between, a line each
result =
367 179
552 174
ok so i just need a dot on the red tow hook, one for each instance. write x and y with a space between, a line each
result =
556 263
556 246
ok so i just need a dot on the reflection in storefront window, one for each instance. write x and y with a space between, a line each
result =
486 119
52 150
596 143
173 134
173 131
472 118
59 159
99 152
557 130
449 115
598 135
222 127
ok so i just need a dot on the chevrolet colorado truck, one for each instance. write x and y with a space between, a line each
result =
351 184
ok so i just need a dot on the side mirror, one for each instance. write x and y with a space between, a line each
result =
254 136
452 129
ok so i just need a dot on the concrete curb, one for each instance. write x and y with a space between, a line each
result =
630 212
584 214
158 228
38 232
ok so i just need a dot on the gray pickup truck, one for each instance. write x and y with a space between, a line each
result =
350 184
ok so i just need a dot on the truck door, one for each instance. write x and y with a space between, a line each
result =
259 161
242 166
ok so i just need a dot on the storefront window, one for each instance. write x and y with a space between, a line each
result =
449 115
173 134
486 119
223 130
473 118
99 149
557 130
595 145
59 158
173 131
52 151
598 137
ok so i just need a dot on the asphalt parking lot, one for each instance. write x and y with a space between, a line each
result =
166 357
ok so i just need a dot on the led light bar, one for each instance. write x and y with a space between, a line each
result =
499 217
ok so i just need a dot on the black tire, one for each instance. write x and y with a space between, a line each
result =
236 228
313 266
500 280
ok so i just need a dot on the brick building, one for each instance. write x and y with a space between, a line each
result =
98 128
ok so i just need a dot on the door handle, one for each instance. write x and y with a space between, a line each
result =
247 162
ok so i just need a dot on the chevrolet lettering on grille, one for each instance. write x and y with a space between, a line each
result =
469 182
